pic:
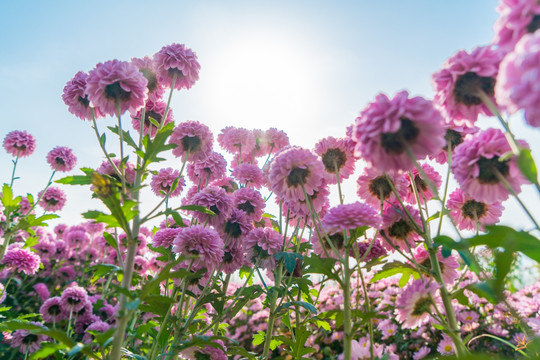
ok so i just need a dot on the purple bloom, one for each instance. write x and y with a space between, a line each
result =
61 158
107 169
517 18
201 241
215 199
237 140
374 188
116 82
19 143
397 228
248 174
162 182
51 311
350 216
42 291
337 155
21 260
176 60
236 227
74 298
26 341
165 237
98 326
261 244
249 201
212 167
146 67
424 191
53 199
233 257
76 99
153 110
468 213
192 139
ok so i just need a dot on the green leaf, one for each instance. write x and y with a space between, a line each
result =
40 221
317 265
102 140
45 350
101 217
527 165
438 214
30 242
237 350
303 304
394 268
289 259
510 239
198 208
132 305
111 240
127 137
323 324
258 338
102 269
486 290
75 180
7 196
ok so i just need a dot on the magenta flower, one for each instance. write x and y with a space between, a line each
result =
249 201
27 342
374 188
146 67
192 139
449 265
398 229
200 241
77 238
336 155
236 227
261 244
99 326
73 298
51 311
460 80
476 167
42 291
62 159
19 143
377 250
351 216
294 171
318 202
453 136
226 183
236 140
415 304
176 60
517 18
153 110
21 260
116 82
387 128
106 169
424 191
518 81
233 257
76 99
53 199
326 244
248 174
467 212
212 167
162 182
215 199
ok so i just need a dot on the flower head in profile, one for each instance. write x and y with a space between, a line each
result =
453 136
146 67
446 346
154 112
19 143
469 213
397 229
76 99
193 140
463 80
212 167
478 168
415 304
337 156
236 140
115 83
178 62
203 242
26 341
162 182
61 158
21 260
273 141
249 201
448 265
74 298
215 199
53 199
517 18
346 217
248 174
106 169
389 131
165 237
517 84
51 311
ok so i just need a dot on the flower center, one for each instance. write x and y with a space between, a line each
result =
60 161
453 137
191 143
333 159
201 356
336 239
227 257
473 209
380 187
233 229
51 201
297 176
54 310
420 184
178 72
247 207
215 209
29 339
73 301
260 252
115 92
423 305
84 101
154 115
151 77
469 84
534 24
488 169
395 143
400 229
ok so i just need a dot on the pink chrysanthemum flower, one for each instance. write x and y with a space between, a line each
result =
21 260
19 143
449 265
326 244
388 128
351 216
146 67
261 244
77 238
73 298
76 99
106 169
42 291
162 182
116 82
59 230
53 199
249 201
26 341
318 202
415 304
212 167
215 199
387 328
446 346
226 183
397 228
237 226
517 18
374 188
424 191
337 155
476 166
274 141
62 159
201 241
248 174
466 211
192 139
453 136
153 110
51 311
376 251
294 171
460 80
99 326
233 257
141 265
518 81
176 60
236 140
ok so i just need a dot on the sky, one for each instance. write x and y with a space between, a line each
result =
306 67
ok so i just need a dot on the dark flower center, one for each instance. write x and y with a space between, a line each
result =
422 305
201 356
469 84
333 160
51 201
427 263
60 161
420 184
54 310
400 229
336 239
154 115
247 207
380 187
489 168
534 24
473 209
453 137
178 72
297 176
73 301
215 209
233 229
29 339
395 143
84 101
151 77
227 257
260 252
191 143
19 147
115 92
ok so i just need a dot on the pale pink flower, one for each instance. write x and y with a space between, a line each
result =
162 182
398 229
250 201
346 217
176 60
249 175
75 97
424 191
146 67
193 140
415 304
212 167
236 140
374 186
449 266
203 242
53 199
446 346
261 244
517 18
19 143
153 110
337 155
21 260
466 211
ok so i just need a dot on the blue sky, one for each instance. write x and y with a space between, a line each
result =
307 67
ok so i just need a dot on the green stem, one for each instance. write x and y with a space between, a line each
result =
14 167
272 316
347 326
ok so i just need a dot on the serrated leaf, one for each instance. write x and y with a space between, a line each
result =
289 258
323 324
75 180
258 338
